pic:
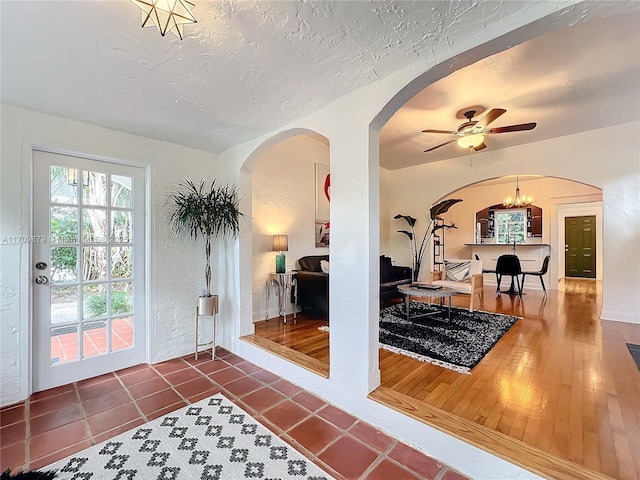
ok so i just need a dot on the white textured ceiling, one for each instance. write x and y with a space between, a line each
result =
569 80
247 68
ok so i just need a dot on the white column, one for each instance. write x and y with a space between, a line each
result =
354 286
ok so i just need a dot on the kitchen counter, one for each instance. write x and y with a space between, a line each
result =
531 255
508 246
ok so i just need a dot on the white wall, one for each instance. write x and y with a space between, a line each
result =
284 203
175 270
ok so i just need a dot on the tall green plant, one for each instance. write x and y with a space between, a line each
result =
210 210
417 252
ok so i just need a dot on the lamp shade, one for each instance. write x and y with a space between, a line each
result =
280 243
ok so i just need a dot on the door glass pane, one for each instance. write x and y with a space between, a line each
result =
64 185
121 298
121 333
95 300
64 304
121 191
64 264
94 339
94 263
94 191
121 262
64 225
94 225
64 344
121 227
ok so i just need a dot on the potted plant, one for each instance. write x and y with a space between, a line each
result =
418 252
207 210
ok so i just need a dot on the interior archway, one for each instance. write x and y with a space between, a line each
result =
458 404
283 202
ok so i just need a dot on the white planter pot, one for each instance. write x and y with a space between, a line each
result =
208 305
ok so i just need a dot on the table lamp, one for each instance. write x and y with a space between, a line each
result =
280 244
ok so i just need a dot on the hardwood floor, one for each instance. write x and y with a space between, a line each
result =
560 384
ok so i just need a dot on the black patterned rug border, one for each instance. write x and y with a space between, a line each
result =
634 350
458 344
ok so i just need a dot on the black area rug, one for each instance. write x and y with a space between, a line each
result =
457 344
634 350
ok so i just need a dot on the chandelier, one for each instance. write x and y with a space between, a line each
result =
166 15
519 201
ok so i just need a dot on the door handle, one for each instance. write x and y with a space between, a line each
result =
42 280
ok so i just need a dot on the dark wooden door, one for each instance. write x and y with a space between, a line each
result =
580 246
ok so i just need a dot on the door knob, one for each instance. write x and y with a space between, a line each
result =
42 280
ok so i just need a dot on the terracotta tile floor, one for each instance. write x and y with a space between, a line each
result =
64 346
59 422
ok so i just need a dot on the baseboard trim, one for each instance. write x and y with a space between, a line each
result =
289 354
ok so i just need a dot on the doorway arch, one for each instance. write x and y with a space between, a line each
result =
277 182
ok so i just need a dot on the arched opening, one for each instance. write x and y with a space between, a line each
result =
287 221
429 182
511 398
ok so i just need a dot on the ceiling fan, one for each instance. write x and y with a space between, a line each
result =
471 133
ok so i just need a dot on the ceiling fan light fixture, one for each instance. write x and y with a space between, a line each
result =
166 15
471 141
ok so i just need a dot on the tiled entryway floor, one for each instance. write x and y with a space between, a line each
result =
59 422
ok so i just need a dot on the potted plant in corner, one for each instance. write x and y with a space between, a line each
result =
418 252
207 210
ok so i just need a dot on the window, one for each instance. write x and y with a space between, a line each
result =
511 226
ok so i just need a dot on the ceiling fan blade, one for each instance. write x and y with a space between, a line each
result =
441 145
491 115
513 128
480 147
440 131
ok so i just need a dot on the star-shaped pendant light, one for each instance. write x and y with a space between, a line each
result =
167 15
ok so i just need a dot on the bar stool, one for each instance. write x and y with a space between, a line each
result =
208 309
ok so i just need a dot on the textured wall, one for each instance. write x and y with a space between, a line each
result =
284 203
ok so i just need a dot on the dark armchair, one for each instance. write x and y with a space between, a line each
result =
390 277
313 286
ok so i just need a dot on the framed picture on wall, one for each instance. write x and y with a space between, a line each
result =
323 196
322 234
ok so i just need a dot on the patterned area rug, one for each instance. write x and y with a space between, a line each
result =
457 344
209 440
634 350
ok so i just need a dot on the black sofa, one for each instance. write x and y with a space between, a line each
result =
313 284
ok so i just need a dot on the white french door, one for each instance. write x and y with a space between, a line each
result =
88 251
